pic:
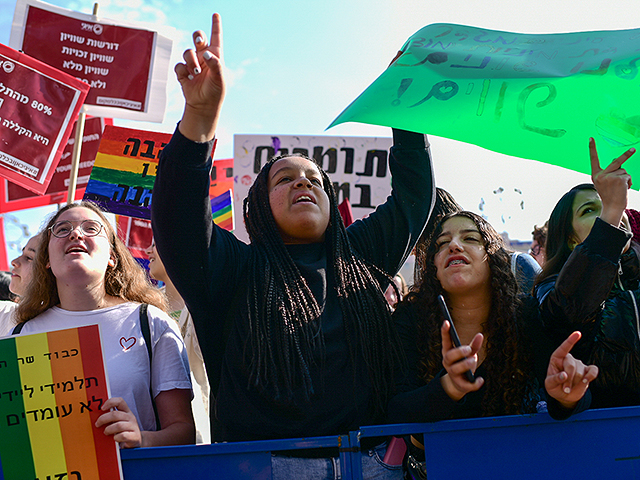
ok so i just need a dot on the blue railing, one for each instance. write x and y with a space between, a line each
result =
596 444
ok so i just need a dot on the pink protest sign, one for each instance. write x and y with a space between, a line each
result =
118 62
38 105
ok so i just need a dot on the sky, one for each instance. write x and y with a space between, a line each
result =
293 66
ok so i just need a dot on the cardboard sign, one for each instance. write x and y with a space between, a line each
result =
532 96
358 167
38 106
53 385
126 67
125 169
14 197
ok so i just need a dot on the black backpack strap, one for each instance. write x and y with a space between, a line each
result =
146 333
18 328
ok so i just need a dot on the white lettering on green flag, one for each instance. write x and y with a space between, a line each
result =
528 95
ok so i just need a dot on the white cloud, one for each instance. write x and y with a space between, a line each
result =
233 75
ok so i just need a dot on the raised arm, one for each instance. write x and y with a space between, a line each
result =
388 235
612 184
586 278
203 261
202 82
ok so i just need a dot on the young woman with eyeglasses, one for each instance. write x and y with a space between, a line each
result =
84 275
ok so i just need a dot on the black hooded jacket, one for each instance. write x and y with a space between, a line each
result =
597 293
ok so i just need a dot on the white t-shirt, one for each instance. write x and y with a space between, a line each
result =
125 352
200 403
7 322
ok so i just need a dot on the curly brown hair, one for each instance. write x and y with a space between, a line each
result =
126 280
510 387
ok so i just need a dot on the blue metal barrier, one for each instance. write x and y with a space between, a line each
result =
228 461
596 444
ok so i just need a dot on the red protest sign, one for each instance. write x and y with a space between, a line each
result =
221 177
137 235
14 197
118 62
38 105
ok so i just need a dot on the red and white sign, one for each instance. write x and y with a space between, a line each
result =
38 105
137 235
14 197
126 67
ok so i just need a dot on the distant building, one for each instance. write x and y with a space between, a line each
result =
516 245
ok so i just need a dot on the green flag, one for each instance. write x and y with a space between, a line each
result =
532 96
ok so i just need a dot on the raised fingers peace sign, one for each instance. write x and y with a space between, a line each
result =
612 183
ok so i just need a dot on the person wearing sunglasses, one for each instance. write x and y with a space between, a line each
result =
83 274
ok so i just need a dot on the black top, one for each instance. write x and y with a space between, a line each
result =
417 402
597 292
208 265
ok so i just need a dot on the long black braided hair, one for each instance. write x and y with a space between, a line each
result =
284 314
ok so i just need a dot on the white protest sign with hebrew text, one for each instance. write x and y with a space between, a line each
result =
358 167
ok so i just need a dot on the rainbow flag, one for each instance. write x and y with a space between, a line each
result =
52 387
125 170
222 210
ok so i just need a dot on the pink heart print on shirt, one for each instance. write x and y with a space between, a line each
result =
127 343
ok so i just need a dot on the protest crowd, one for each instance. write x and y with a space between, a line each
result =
318 334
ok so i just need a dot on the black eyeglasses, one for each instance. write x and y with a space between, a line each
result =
89 228
535 250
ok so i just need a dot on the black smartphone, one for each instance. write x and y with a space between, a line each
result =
453 334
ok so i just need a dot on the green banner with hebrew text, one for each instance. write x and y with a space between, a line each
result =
532 96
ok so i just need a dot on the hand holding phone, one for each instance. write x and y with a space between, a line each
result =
453 334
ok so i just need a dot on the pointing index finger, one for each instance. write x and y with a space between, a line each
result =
565 347
215 45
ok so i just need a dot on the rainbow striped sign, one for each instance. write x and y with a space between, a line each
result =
125 170
52 386
222 210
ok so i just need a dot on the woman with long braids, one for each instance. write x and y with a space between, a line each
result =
502 341
294 327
